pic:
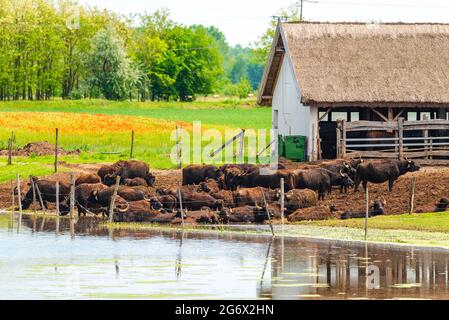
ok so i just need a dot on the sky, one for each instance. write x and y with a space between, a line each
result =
243 21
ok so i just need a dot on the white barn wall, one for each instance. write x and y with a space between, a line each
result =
293 117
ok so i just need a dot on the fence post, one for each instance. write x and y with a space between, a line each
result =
9 151
338 135
343 140
34 193
13 196
132 146
267 210
57 199
56 149
39 196
19 199
412 196
114 196
401 137
282 200
72 196
242 144
367 211
180 207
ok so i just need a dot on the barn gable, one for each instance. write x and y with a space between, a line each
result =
343 64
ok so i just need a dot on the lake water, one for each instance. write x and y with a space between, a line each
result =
90 262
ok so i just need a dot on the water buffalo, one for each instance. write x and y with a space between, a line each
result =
90 178
254 196
130 170
166 202
376 209
442 205
313 179
258 179
82 194
110 169
246 214
210 186
136 211
48 192
135 182
103 197
300 198
195 174
380 171
198 200
226 195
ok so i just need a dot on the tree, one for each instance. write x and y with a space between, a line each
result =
109 66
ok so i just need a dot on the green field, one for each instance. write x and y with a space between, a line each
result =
102 129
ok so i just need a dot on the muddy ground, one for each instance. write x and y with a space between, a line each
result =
432 184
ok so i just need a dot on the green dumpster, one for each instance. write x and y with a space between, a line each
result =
295 148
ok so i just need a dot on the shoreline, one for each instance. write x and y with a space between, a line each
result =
399 238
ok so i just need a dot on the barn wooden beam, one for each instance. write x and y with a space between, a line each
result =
399 115
325 114
380 114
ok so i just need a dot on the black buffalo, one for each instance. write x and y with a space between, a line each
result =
380 171
313 179
195 174
48 192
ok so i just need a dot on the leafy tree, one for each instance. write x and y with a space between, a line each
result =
109 66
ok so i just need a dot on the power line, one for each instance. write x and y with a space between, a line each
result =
378 4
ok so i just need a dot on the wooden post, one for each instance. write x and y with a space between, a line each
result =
178 148
180 207
282 200
401 137
114 196
9 151
343 139
57 200
39 195
268 211
242 144
132 145
34 193
338 140
19 199
72 196
56 149
412 196
13 202
367 211
313 140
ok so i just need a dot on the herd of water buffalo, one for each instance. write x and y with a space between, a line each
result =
233 193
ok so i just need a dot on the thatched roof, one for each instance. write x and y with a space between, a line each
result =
364 64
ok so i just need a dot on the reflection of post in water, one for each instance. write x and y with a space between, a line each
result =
178 263
117 268
72 227
266 262
19 200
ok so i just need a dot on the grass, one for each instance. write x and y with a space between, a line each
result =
429 222
102 129
316 231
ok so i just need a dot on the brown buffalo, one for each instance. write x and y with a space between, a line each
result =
136 211
90 178
48 192
130 170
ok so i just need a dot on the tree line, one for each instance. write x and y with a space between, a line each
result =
54 49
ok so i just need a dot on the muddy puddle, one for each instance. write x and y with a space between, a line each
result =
88 261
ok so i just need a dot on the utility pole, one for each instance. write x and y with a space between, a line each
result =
301 3
300 12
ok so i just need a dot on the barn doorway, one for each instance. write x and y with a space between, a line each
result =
328 135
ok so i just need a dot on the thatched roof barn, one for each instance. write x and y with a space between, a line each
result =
374 71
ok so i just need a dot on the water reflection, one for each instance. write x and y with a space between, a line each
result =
85 260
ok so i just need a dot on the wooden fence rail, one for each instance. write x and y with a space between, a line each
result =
395 142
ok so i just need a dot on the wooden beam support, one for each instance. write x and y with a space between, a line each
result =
380 114
399 115
325 114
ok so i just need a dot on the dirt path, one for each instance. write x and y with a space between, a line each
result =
432 184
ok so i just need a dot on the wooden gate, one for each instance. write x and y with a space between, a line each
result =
422 140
